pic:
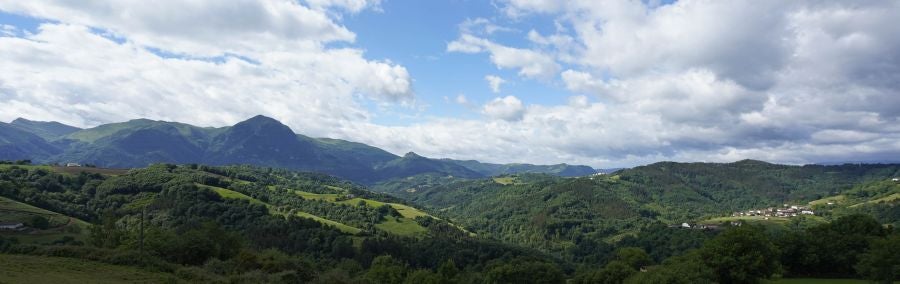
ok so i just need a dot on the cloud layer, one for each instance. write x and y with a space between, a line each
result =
696 80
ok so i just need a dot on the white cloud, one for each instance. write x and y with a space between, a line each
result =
531 64
461 99
494 82
72 73
784 81
482 26
353 6
507 108
198 28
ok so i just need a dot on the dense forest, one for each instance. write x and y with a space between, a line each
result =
243 224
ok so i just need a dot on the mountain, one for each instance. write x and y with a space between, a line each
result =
488 169
48 130
18 144
260 141
412 164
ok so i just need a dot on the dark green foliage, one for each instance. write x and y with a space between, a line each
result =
386 270
741 255
881 262
524 271
576 218
829 249
39 222
684 269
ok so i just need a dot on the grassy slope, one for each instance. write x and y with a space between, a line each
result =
38 269
406 226
60 225
227 193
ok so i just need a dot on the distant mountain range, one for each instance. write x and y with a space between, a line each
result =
260 141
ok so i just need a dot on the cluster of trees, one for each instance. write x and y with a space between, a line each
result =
854 246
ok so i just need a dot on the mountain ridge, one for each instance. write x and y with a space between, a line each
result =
259 141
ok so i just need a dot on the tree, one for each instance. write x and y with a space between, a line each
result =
423 276
385 269
633 257
39 222
881 262
523 271
448 270
741 255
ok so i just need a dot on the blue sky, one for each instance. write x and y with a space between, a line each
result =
607 83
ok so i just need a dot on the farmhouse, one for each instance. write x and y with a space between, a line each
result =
896 179
11 226
73 165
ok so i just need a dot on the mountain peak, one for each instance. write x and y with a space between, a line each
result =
261 119
412 155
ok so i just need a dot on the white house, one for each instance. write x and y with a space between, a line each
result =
685 225
11 225
73 165
896 179
807 212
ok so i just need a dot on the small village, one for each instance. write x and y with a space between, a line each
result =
786 211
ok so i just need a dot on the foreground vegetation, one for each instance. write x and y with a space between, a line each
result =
242 224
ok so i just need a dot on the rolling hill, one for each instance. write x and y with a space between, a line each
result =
566 215
260 141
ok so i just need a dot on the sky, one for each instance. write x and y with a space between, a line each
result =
603 83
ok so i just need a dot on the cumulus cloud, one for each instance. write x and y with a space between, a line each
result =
197 28
494 82
507 108
108 62
696 80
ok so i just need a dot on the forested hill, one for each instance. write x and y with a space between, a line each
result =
260 141
239 225
572 216
242 224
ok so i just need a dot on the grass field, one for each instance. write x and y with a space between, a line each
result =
60 225
227 193
40 269
817 281
719 220
401 226
505 180
837 199
5 166
102 171
330 197
336 225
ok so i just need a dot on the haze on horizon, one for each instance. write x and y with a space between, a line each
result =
602 83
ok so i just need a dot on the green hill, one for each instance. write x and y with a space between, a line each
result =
565 215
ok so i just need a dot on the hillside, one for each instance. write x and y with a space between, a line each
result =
566 215
278 220
260 141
